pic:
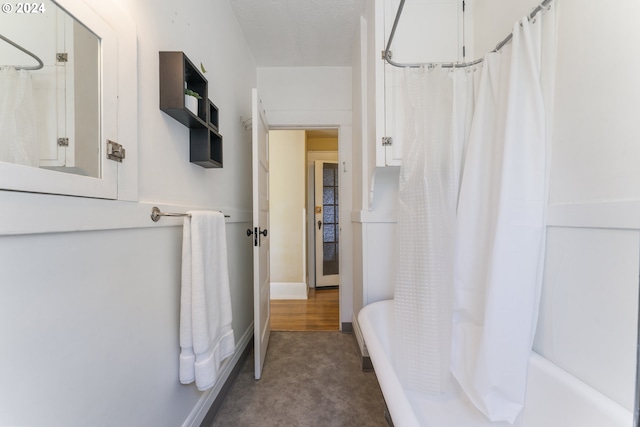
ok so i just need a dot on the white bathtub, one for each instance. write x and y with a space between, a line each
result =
554 397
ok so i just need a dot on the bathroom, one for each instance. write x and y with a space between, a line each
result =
90 302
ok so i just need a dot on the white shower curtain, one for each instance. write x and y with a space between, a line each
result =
18 120
501 222
482 260
426 212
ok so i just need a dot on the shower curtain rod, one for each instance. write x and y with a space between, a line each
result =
17 46
386 55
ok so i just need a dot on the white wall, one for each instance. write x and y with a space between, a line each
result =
298 94
89 313
308 97
208 33
286 205
490 21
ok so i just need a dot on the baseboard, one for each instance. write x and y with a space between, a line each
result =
217 403
209 397
289 290
363 353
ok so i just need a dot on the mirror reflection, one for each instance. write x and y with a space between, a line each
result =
49 114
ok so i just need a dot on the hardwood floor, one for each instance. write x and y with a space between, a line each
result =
321 312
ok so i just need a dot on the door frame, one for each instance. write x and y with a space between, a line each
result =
294 120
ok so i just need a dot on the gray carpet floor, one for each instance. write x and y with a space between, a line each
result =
309 379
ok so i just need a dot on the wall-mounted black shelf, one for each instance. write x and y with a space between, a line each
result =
178 73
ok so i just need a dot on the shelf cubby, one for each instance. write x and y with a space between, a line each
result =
205 148
213 116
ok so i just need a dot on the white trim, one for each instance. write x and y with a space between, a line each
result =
312 156
622 214
304 243
208 397
308 119
342 120
281 290
310 229
28 213
382 216
365 271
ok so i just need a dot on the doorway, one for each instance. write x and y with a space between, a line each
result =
323 207
315 153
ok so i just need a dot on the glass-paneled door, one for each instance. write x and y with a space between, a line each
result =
327 223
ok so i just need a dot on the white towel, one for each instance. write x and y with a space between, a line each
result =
206 334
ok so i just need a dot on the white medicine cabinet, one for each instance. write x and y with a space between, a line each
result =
82 124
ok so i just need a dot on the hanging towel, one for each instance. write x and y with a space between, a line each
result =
206 334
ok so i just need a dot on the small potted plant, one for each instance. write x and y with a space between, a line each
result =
191 100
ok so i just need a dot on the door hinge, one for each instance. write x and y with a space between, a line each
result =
62 57
115 151
63 142
464 6
387 141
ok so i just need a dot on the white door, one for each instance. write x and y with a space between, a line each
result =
327 226
261 285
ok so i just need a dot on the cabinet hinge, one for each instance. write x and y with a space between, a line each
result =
115 151
63 142
387 141
464 51
62 57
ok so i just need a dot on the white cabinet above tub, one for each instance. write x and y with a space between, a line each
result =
428 31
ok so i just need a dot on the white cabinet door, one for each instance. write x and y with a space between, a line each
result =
428 31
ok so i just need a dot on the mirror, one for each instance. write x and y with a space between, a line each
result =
50 118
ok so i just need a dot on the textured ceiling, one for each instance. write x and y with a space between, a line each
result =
288 33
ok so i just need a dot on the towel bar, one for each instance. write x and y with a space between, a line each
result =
157 213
